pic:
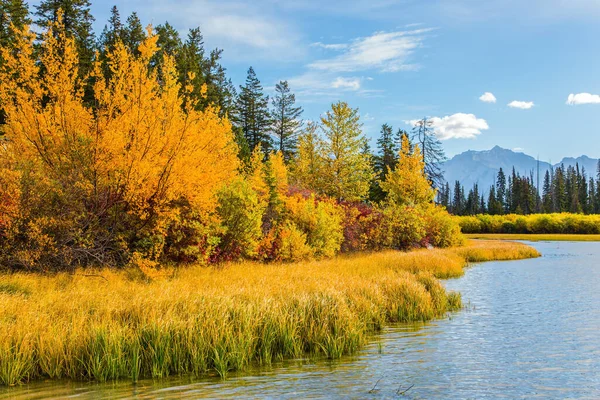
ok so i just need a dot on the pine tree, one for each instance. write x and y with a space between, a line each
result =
458 201
547 194
286 120
501 190
77 24
432 151
220 89
15 12
387 152
113 32
169 43
253 114
347 169
133 34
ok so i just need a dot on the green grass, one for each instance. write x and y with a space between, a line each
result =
535 237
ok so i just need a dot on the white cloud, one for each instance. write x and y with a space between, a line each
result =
338 46
382 51
243 30
583 98
523 105
488 97
346 83
457 126
518 149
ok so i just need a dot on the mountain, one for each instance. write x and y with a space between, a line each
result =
481 167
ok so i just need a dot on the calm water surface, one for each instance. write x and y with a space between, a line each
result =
531 329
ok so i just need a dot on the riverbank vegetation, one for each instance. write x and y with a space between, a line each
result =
108 324
121 163
536 237
564 223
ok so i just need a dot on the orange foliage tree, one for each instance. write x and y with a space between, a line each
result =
98 183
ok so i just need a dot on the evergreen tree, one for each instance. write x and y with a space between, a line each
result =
458 200
14 12
347 169
133 33
286 120
113 32
77 24
387 152
433 152
501 190
253 114
547 195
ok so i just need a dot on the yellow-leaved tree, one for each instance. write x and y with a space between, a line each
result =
101 182
407 183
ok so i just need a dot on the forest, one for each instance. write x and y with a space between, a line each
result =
564 190
133 148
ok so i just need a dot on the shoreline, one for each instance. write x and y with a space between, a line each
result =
200 321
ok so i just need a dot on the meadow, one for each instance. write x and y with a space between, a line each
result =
126 324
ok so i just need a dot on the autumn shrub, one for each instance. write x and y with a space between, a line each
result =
535 224
321 222
401 227
361 222
94 186
240 212
441 230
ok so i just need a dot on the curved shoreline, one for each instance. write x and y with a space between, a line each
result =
114 325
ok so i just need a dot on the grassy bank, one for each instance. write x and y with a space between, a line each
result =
535 237
107 325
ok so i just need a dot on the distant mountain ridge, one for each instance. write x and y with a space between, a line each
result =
481 167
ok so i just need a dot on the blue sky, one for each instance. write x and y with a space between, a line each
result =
399 60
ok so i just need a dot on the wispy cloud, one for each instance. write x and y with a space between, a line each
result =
382 51
457 126
346 83
523 105
583 98
488 97
244 30
338 46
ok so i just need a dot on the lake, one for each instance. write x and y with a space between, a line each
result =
530 329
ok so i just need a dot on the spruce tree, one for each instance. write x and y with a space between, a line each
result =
285 116
253 114
501 191
133 33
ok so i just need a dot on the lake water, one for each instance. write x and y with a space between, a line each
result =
531 329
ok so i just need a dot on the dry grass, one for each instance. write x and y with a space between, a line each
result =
111 325
536 237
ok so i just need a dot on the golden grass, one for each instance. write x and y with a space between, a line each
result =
536 237
113 324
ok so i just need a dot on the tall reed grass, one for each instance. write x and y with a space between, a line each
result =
110 324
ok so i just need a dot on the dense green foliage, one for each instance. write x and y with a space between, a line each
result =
564 189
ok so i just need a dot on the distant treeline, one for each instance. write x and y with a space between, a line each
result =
563 190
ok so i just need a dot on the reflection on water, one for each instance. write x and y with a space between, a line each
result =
531 329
